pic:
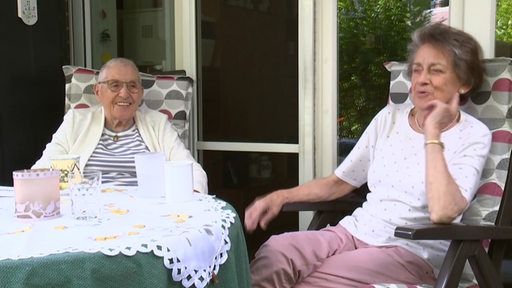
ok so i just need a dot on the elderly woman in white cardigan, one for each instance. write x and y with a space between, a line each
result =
108 137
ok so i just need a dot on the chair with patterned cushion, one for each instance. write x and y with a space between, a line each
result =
170 94
486 228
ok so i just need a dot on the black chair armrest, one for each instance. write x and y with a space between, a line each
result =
347 202
330 212
454 231
340 204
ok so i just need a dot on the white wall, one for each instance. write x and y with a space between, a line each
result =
478 18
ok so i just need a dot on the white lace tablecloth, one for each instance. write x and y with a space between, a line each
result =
191 237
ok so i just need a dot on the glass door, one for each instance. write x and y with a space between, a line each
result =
248 102
139 30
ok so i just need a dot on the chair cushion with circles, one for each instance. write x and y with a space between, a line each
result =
168 94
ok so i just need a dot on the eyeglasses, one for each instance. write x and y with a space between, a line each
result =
116 85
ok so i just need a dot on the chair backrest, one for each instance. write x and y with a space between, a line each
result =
493 106
169 94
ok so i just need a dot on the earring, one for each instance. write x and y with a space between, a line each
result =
461 91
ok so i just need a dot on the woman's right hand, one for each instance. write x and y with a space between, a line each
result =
265 208
262 210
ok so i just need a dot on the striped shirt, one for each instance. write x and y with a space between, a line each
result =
114 156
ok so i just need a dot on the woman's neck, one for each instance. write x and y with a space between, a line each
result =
118 126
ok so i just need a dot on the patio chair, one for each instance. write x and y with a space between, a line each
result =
486 229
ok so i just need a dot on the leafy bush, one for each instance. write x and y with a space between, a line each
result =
370 32
504 20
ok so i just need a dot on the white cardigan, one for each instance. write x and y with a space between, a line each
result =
81 130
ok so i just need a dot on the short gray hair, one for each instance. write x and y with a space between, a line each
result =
117 61
465 52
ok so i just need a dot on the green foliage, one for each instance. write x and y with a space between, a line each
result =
504 20
370 32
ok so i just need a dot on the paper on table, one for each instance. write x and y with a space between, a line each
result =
150 174
179 182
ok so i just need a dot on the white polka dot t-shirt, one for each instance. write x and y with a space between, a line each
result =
390 157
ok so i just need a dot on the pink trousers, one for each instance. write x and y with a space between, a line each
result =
332 257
